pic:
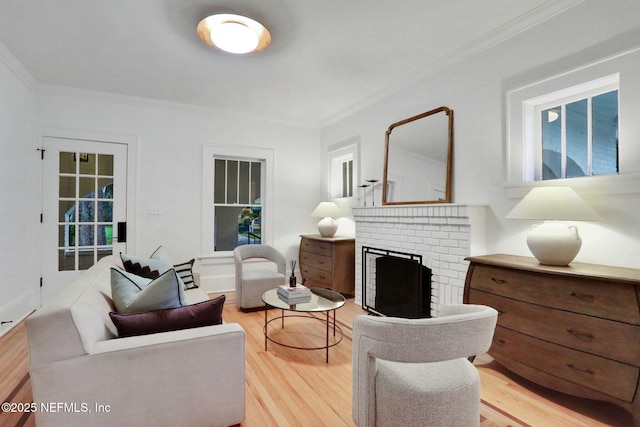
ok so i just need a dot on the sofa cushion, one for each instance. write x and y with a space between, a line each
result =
136 294
150 268
205 313
185 271
158 263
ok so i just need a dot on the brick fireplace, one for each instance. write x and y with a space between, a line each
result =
442 234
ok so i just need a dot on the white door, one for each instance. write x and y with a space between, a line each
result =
83 207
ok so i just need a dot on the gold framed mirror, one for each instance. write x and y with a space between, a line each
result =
418 159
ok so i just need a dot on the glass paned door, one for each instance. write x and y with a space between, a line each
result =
85 209
84 199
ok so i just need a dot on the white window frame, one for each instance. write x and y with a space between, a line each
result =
337 155
209 153
533 126
521 88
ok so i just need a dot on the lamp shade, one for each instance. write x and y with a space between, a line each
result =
325 209
553 203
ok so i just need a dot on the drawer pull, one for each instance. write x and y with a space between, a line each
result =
582 335
584 297
501 342
498 281
582 370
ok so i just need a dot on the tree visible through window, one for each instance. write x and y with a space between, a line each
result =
237 203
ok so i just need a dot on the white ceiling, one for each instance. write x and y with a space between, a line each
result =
327 58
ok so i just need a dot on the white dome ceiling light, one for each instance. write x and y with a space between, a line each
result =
234 33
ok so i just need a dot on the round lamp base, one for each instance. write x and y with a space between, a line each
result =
554 243
327 227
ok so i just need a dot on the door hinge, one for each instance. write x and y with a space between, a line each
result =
41 150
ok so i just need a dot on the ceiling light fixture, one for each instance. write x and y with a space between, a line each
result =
234 33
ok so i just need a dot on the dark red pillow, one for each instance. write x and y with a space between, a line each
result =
204 313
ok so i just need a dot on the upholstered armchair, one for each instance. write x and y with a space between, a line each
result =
416 371
251 283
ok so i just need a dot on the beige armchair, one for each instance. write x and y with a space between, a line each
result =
416 371
252 283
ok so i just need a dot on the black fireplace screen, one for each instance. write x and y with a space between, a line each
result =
395 284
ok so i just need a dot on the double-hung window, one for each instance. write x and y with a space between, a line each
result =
237 202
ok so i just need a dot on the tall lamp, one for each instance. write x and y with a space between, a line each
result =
327 211
554 242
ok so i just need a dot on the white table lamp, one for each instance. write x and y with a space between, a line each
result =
327 211
554 242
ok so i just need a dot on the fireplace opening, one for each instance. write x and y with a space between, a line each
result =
396 284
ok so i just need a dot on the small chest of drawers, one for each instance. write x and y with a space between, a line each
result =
328 262
574 329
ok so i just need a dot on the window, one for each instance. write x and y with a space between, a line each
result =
562 131
237 189
577 136
237 203
343 170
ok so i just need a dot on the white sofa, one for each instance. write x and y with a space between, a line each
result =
83 375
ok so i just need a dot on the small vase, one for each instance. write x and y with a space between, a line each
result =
292 281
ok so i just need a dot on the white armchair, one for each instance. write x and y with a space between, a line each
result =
416 371
252 283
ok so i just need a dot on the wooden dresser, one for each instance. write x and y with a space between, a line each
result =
573 329
328 262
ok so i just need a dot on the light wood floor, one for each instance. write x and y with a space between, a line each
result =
290 387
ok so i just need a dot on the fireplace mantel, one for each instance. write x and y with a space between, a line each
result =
444 234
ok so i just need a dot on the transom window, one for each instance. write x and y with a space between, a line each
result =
573 132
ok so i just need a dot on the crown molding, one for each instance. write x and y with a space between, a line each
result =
516 26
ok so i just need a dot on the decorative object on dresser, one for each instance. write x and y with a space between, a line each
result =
554 242
327 211
574 329
328 262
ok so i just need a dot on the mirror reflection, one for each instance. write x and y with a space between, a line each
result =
418 159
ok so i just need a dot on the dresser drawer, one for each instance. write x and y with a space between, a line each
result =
593 372
593 297
320 262
321 278
607 338
316 246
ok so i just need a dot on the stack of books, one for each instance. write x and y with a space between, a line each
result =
298 294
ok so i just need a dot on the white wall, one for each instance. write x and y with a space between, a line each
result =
18 287
475 90
169 168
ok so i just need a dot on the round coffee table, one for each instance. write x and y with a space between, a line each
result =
322 300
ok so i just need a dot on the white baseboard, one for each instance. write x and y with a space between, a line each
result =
16 310
215 284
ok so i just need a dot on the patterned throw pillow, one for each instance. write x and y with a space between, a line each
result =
136 294
204 313
185 271
158 263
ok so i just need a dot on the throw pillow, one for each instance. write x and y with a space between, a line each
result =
205 313
149 268
185 271
158 263
136 294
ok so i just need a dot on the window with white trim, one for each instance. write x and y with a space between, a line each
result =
572 132
237 203
237 191
343 170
